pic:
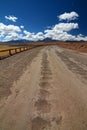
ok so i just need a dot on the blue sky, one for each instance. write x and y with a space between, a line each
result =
38 19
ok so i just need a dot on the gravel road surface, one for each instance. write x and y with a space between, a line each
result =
44 88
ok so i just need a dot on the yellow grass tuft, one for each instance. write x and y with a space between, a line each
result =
5 47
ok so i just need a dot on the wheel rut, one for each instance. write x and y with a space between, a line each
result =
43 106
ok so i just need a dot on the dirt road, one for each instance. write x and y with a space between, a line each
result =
44 89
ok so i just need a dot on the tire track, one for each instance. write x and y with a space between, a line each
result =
43 120
46 74
74 67
42 104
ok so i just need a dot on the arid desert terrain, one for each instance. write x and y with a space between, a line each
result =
44 88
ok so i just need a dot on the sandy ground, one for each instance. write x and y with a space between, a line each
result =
79 46
44 89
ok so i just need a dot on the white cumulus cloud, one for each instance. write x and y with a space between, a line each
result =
9 32
6 29
65 26
60 31
68 16
11 18
32 36
13 36
80 37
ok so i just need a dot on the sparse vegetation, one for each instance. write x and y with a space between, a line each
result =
79 46
6 47
6 50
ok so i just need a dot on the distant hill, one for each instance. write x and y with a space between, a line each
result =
26 42
48 40
16 42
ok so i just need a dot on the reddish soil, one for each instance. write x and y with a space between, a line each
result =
79 46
